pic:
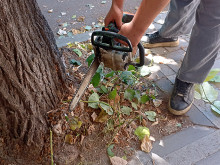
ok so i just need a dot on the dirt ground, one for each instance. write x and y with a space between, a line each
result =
88 144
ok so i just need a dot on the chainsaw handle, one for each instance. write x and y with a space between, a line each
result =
141 55
112 36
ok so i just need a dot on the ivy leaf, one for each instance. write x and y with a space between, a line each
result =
129 94
96 79
144 99
206 92
126 110
78 52
88 28
128 78
94 97
104 89
141 132
112 94
212 74
90 59
107 108
109 150
137 95
134 105
216 107
74 62
151 115
131 67
111 74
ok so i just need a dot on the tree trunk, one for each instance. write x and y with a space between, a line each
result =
31 79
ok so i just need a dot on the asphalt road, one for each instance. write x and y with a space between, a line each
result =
78 8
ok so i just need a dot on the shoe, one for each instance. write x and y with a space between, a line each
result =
155 40
182 97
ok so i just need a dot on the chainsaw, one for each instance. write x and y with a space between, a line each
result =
111 53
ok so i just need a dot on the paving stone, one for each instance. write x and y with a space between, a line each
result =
195 151
156 75
205 108
159 51
185 37
197 117
144 157
176 141
172 78
183 44
213 159
177 56
175 67
134 161
167 71
165 85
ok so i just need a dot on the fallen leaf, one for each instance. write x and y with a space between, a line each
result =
63 13
151 115
106 107
103 2
78 52
75 62
61 32
69 139
216 107
102 117
94 116
157 102
141 132
81 19
93 101
91 129
126 110
74 16
88 28
75 31
50 11
118 161
109 150
146 144
212 74
74 123
82 138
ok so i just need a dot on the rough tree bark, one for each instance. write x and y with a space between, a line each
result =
31 79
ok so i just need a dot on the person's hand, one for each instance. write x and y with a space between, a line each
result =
128 30
115 14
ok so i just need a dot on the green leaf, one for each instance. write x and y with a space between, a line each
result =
216 79
216 107
74 16
131 67
206 92
109 150
74 62
111 74
74 123
126 110
141 132
96 79
112 94
88 28
137 95
104 89
107 108
110 124
144 99
90 59
94 98
128 78
78 52
151 115
144 70
129 94
212 74
134 105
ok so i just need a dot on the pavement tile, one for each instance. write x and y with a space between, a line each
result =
167 71
205 108
195 151
175 67
156 75
134 161
183 44
172 78
159 51
165 85
197 117
173 143
177 56
213 159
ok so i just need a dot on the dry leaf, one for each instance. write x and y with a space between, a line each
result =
103 116
50 11
144 122
91 129
82 138
94 116
118 161
80 19
146 145
133 125
75 31
69 139
157 102
57 129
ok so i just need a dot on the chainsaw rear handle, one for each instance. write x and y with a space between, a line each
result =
111 43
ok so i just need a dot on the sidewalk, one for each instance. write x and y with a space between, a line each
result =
199 144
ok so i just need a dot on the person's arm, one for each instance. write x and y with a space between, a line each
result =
144 16
115 13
